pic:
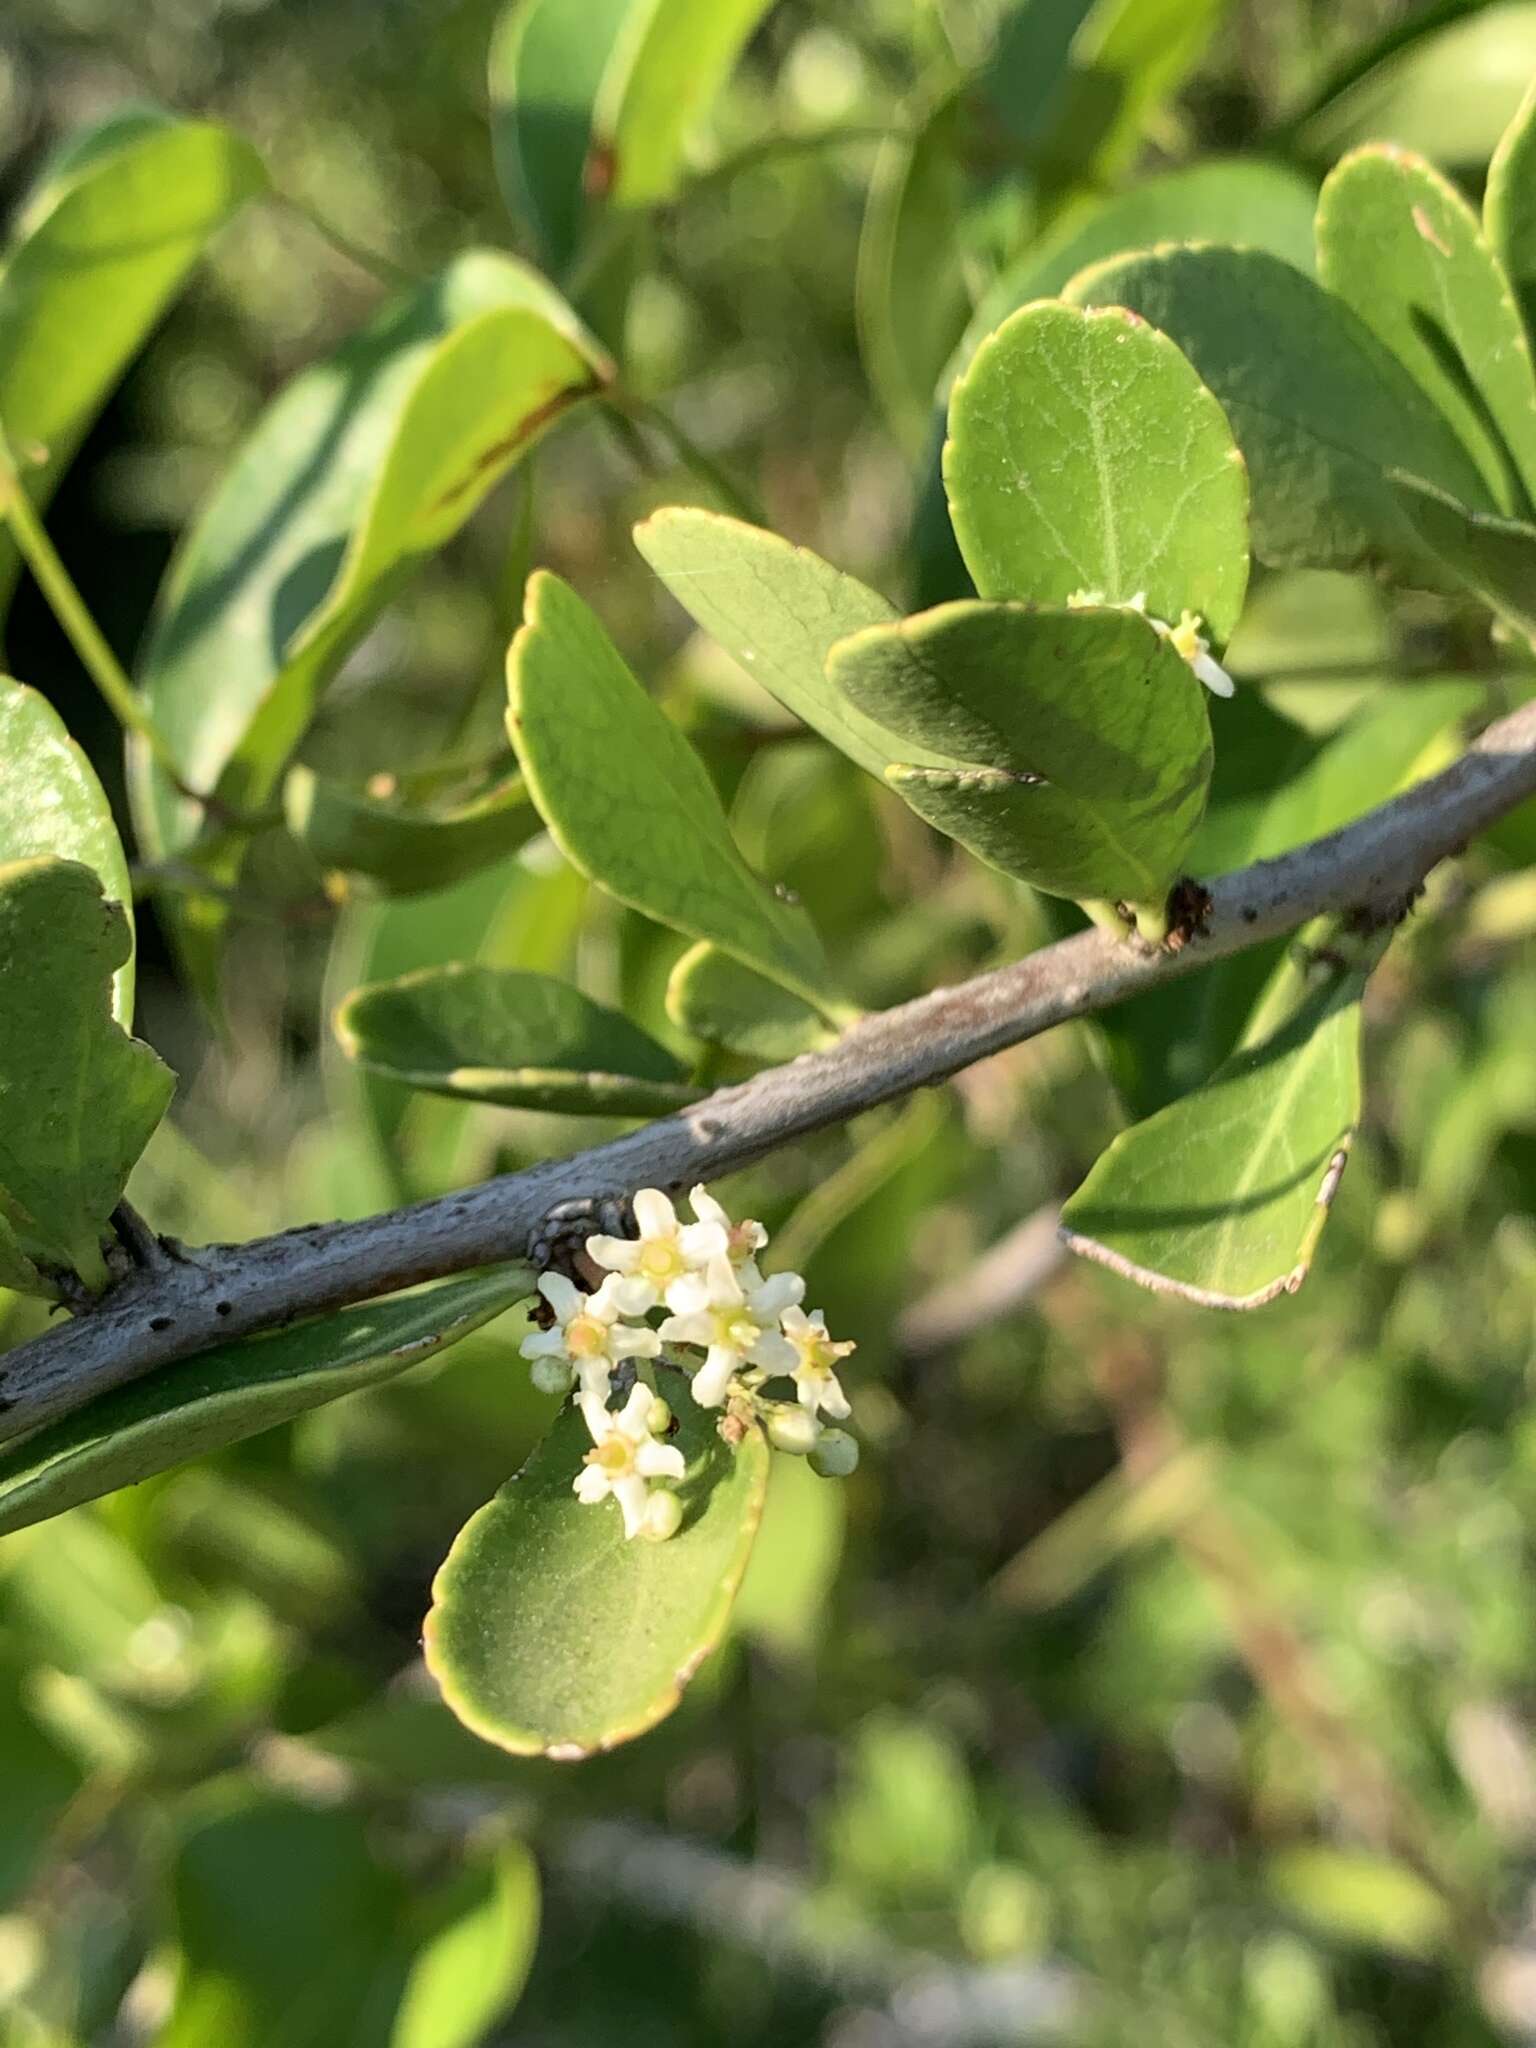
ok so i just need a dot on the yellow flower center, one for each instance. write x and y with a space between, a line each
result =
1185 638
585 1337
660 1260
613 1456
736 1330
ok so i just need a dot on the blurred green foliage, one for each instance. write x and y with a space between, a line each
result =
1160 1675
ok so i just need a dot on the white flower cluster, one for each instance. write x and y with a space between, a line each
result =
750 1330
1186 638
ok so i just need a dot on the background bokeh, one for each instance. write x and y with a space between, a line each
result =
1160 1676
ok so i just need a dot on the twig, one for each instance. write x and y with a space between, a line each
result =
1003 1277
1375 865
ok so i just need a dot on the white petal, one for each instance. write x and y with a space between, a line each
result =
596 1383
543 1344
631 1493
779 1292
701 1242
724 1288
749 1274
631 1417
774 1353
1213 675
618 1254
809 1394
635 1296
589 1486
696 1328
709 1383
608 1302
594 1412
562 1296
654 1214
688 1294
707 1209
833 1399
659 1461
624 1343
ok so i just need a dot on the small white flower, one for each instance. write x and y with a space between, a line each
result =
735 1327
816 1356
652 1266
1185 638
624 1455
743 1241
588 1332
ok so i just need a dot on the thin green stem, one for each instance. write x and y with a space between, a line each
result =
74 615
384 268
646 412
775 148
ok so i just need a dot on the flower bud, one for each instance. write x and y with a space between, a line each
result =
663 1516
792 1429
550 1375
836 1454
658 1417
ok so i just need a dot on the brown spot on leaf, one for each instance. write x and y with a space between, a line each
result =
1426 228
531 423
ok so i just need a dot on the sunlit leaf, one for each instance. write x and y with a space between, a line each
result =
78 1097
550 1634
1323 413
627 799
99 255
1222 1196
52 803
1398 243
468 1972
1085 455
198 1405
1494 559
1509 202
1084 738
403 845
714 998
523 1040
669 60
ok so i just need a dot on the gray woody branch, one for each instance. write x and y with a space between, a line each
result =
174 1307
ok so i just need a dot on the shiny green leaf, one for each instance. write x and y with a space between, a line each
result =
1399 244
550 1634
1085 455
1494 559
716 999
468 1972
546 63
1221 1197
779 609
99 255
200 1404
1323 414
1084 739
78 1097
1509 204
627 799
406 846
526 1041
670 59
52 803
364 464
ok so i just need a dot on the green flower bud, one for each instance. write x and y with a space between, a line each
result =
550 1375
836 1454
663 1516
658 1417
792 1429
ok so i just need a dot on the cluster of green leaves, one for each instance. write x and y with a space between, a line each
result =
598 908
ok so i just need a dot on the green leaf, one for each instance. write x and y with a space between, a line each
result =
406 846
199 1405
714 998
78 1097
669 61
1131 57
1509 204
1399 244
911 295
1221 1197
468 1973
628 801
1084 739
283 1919
38 1781
52 803
779 609
1446 89
547 61
551 1635
1323 413
526 1041
101 252
1354 1896
1084 454
1494 559
364 464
